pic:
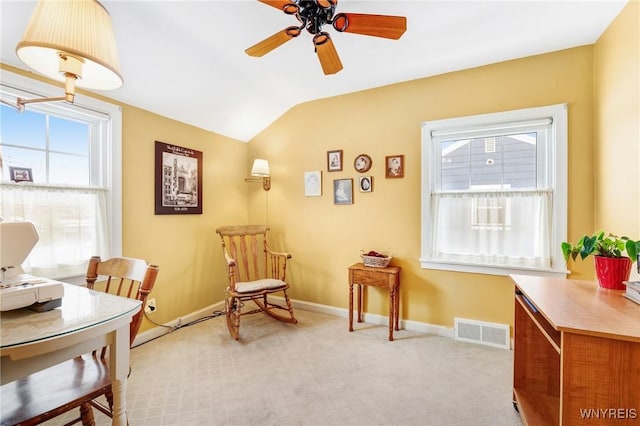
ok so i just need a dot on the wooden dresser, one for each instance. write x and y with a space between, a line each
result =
576 353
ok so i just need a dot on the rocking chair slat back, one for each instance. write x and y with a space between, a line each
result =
247 247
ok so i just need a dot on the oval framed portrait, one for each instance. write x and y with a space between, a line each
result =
362 163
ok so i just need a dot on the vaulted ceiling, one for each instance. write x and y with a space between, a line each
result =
185 59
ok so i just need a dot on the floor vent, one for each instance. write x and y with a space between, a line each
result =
485 333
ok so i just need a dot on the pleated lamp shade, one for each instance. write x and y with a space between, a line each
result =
260 168
72 36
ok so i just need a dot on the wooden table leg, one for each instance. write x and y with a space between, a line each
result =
360 301
397 306
392 304
350 305
119 370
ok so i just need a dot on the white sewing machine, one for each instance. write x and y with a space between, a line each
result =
17 289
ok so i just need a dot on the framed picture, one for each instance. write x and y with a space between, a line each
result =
178 179
20 174
334 161
394 165
313 183
362 163
366 183
343 191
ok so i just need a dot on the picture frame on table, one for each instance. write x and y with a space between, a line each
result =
20 174
334 160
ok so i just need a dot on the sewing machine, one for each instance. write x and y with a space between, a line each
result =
17 289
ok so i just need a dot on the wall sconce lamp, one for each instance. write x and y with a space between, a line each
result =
260 171
72 42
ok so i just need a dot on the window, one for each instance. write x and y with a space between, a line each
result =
71 153
494 192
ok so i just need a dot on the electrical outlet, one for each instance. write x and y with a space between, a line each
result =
150 306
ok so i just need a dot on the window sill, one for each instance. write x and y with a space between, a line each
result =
491 270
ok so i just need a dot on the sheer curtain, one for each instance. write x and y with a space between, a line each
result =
71 222
511 228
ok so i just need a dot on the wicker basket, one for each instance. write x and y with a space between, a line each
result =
375 262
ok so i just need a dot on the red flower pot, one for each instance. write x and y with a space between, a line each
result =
612 271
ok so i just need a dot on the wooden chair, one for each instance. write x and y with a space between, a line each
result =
255 272
78 382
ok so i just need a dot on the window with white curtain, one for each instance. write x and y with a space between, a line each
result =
494 192
69 158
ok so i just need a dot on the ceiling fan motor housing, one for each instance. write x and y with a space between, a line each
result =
313 14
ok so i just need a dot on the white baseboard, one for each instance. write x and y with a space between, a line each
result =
420 327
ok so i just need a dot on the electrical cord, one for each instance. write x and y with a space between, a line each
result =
173 328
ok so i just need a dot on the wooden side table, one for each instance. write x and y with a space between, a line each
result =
388 277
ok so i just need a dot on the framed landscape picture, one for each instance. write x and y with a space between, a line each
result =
178 180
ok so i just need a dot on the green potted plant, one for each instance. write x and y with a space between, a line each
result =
611 264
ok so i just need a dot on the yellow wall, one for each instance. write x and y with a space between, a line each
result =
617 125
325 239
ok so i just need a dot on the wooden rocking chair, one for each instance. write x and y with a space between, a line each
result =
255 272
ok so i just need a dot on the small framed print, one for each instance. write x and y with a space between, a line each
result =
394 165
334 161
343 191
366 183
313 183
362 163
20 174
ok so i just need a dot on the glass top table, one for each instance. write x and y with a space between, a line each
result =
81 308
87 320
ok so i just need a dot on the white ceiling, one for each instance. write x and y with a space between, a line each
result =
186 60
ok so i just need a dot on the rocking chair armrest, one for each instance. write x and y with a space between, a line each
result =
230 261
278 253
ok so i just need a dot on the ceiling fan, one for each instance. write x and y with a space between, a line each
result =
313 14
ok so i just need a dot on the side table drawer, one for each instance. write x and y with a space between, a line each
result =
370 278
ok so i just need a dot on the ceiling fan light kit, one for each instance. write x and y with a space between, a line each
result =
313 15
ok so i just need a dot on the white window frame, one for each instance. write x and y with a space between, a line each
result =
14 85
555 159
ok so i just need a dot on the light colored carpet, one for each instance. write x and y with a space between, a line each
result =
315 373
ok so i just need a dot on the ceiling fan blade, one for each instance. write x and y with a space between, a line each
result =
270 43
372 25
286 6
327 53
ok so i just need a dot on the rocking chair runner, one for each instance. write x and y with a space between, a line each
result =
255 272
